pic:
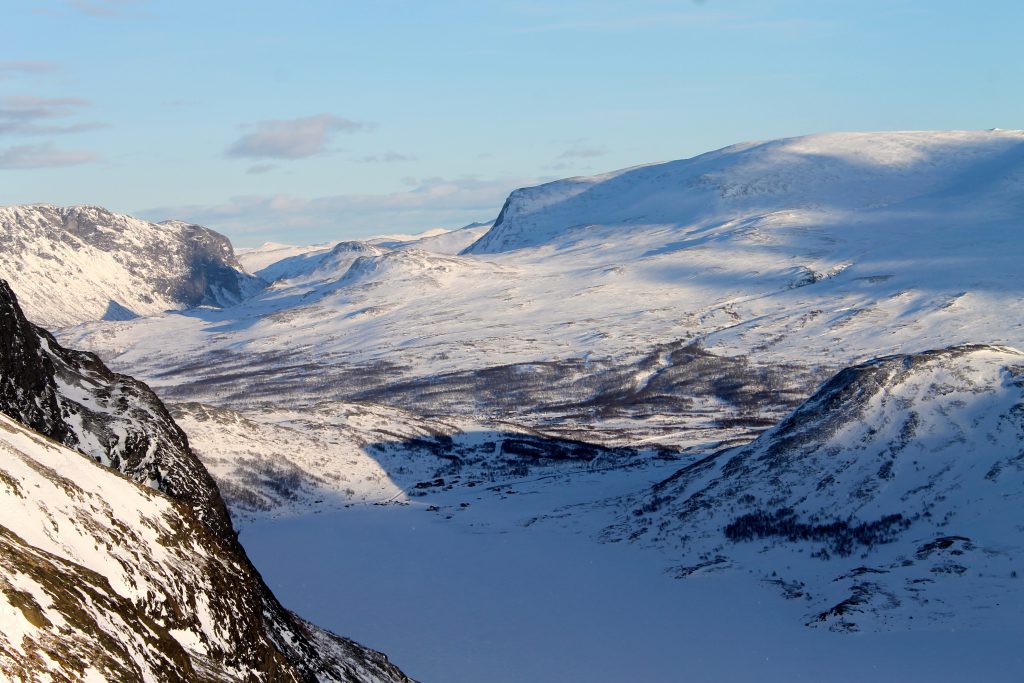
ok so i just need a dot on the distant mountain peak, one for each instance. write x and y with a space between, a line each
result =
75 264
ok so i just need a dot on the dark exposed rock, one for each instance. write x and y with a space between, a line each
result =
71 397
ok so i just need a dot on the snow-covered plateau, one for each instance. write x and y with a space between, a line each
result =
754 415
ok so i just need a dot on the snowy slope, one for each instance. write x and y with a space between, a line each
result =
834 173
397 240
809 254
274 462
108 578
319 265
274 262
80 263
72 398
255 259
889 500
448 242
102 579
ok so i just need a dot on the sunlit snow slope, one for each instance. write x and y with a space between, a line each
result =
807 253
119 559
103 579
889 500
74 264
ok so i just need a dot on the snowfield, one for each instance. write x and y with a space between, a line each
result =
754 415
822 251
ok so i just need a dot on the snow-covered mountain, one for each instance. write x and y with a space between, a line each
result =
254 259
650 324
274 262
119 560
103 579
879 176
74 264
72 398
888 500
782 262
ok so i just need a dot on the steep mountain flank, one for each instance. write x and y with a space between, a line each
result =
72 398
119 561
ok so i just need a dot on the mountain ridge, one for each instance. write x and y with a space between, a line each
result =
894 482
81 263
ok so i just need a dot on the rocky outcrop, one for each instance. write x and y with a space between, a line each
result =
72 398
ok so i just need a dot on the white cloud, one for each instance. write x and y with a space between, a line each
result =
42 156
292 138
25 68
28 115
431 202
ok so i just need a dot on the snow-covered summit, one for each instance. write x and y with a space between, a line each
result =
834 173
80 263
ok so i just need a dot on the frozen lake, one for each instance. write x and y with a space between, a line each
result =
483 597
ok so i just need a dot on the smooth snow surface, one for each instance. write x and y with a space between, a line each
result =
484 597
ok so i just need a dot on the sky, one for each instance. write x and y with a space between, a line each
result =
318 120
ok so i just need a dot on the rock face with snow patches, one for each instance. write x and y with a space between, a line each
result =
72 398
81 263
106 578
897 485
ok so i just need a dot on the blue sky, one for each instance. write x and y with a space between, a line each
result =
325 119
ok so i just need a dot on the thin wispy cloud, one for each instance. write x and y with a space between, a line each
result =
386 158
428 202
102 8
578 152
12 69
583 152
29 115
292 138
256 169
22 157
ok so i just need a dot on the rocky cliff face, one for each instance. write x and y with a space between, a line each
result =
82 263
117 559
72 398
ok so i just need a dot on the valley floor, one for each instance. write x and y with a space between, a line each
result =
493 592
